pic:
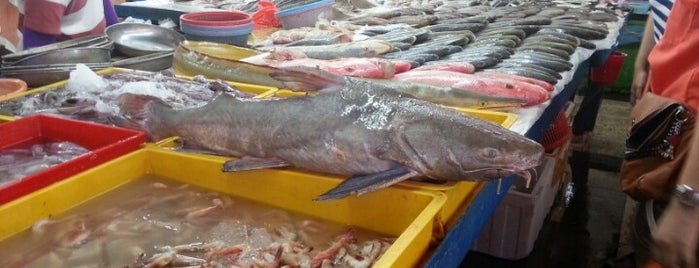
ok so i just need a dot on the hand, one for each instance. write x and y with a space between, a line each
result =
675 241
640 77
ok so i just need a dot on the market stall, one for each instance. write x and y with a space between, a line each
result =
408 43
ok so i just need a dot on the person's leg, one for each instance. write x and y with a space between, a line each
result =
586 117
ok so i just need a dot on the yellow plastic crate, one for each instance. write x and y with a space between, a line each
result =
404 213
459 194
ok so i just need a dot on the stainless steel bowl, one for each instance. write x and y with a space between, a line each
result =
137 39
77 42
41 75
67 55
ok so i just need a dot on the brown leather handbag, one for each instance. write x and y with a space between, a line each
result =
658 137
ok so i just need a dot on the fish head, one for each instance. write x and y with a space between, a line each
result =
77 105
480 150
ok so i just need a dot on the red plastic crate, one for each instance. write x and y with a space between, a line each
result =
104 142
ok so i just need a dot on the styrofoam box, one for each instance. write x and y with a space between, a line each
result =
513 228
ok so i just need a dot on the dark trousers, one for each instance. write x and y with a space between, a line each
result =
586 117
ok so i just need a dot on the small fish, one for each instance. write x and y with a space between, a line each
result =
336 39
499 32
489 42
535 67
234 70
558 66
356 67
473 27
580 32
485 85
560 46
364 48
461 67
526 72
551 39
548 87
487 38
439 50
587 44
453 97
301 33
455 38
544 48
417 21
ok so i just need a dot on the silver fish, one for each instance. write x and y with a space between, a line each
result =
357 128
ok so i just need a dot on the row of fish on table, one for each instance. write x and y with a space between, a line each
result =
484 50
371 128
373 112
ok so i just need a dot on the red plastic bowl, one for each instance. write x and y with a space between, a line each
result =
216 18
11 86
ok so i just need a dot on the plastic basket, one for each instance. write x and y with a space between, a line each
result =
608 73
104 142
405 214
305 15
558 133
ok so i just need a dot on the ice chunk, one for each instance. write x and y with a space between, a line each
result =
84 80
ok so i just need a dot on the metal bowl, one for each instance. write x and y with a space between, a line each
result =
151 62
67 55
137 39
41 75
77 42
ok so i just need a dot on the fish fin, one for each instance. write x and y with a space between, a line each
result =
305 78
367 183
253 163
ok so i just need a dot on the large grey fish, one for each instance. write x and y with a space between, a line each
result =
355 128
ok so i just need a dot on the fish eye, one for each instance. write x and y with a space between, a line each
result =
489 152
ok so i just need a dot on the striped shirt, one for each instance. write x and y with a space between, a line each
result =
660 9
65 19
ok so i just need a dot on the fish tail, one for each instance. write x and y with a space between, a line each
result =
303 78
134 110
137 105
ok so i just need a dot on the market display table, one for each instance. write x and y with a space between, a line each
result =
533 122
482 200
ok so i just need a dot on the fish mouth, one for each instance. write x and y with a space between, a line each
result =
499 172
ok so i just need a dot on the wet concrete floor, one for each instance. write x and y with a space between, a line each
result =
592 229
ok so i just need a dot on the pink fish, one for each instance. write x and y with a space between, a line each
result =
461 67
356 67
497 87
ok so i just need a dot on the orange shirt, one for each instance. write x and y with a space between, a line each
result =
674 61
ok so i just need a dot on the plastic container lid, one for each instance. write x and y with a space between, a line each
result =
216 18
